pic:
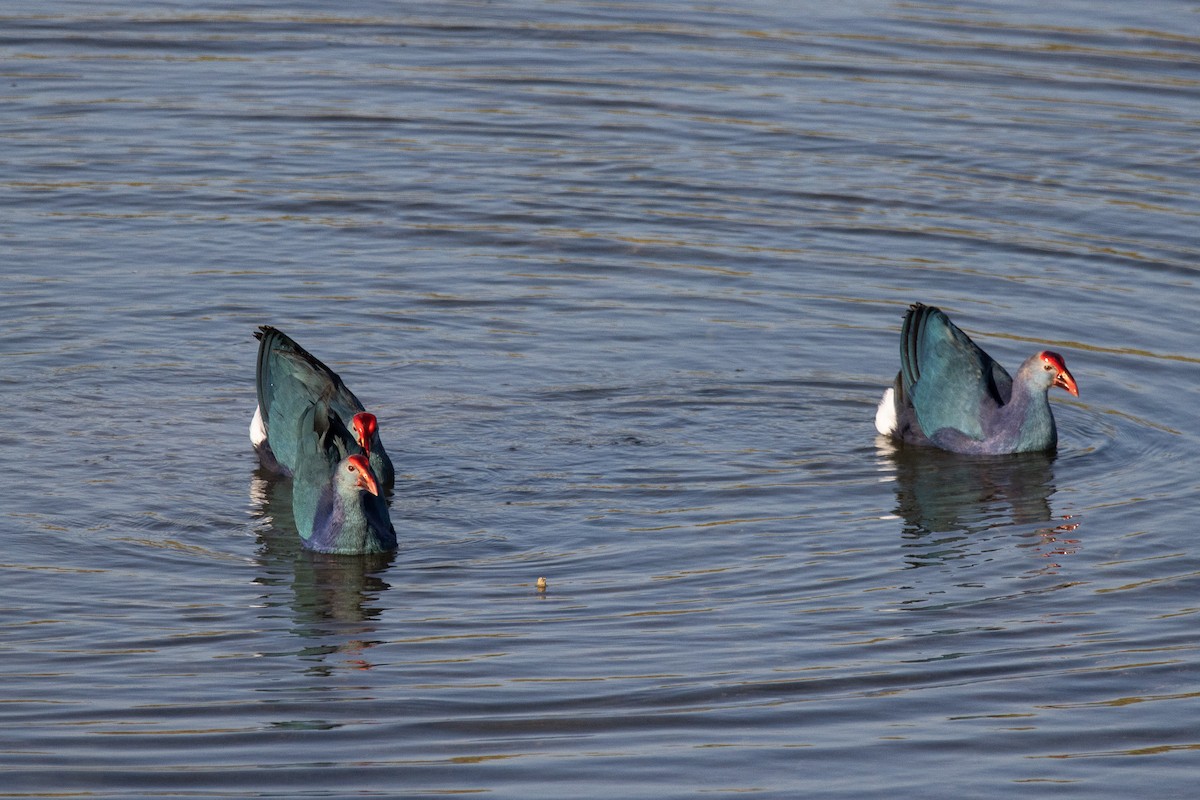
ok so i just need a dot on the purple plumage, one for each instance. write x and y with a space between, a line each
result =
309 426
952 395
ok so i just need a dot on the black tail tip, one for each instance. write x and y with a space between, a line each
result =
265 330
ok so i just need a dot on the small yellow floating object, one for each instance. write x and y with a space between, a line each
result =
541 584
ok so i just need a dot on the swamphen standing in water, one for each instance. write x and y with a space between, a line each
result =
952 395
300 429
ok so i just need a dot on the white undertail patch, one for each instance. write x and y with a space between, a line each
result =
885 415
258 428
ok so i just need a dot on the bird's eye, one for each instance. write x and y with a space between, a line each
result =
350 467
1049 367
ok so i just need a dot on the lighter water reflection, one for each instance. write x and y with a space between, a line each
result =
333 597
947 500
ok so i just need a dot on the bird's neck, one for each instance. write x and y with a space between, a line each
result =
1028 412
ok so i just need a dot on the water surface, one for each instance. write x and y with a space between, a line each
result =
623 284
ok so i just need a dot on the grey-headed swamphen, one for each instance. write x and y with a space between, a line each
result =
300 429
952 395
289 379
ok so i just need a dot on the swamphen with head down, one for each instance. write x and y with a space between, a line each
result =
310 426
952 395
290 379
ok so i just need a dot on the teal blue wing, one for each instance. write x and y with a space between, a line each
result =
951 381
290 380
321 443
279 356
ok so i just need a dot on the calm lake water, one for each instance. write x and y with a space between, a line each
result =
623 283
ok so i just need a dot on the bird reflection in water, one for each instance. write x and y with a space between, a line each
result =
331 595
948 501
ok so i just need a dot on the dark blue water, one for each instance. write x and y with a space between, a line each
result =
623 283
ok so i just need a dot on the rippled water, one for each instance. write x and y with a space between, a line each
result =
623 283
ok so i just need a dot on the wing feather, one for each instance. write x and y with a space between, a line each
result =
952 382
